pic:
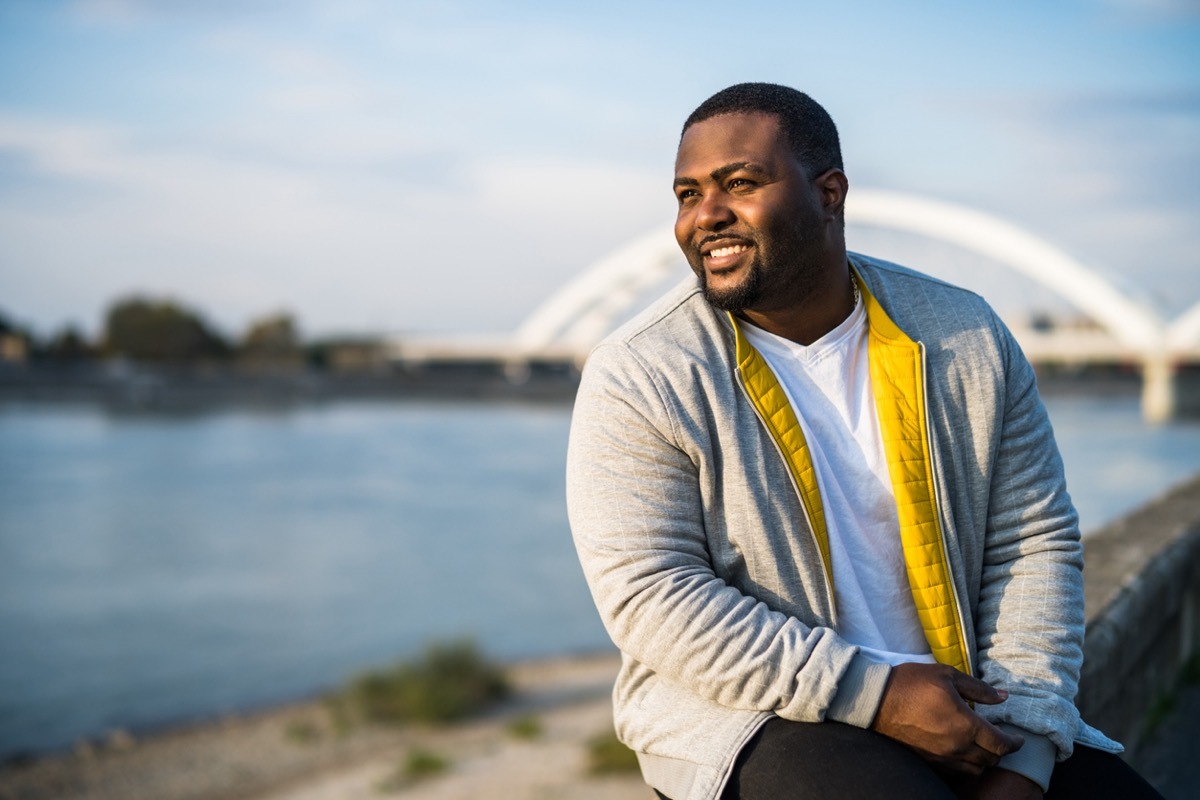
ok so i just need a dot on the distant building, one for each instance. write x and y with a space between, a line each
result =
350 355
14 348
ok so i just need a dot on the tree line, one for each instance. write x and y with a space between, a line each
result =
164 331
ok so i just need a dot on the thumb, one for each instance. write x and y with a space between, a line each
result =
998 741
976 691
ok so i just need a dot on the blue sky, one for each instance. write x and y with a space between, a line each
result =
443 166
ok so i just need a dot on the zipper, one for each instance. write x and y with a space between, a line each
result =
754 729
937 507
825 568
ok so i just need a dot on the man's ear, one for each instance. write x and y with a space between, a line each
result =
833 185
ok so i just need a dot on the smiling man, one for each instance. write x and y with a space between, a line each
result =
821 510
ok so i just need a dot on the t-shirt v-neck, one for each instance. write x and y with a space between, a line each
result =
828 384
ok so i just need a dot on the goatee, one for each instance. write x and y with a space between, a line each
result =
737 298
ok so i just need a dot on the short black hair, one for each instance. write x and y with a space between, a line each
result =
809 129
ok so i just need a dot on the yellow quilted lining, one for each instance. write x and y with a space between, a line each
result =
896 376
897 382
775 410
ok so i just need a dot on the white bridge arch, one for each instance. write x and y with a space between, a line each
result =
585 308
580 313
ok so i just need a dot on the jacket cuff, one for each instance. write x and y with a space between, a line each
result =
1035 760
860 691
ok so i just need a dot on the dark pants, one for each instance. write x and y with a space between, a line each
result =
800 760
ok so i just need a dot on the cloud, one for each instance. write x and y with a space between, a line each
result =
283 57
571 193
1109 176
231 234
449 165
344 249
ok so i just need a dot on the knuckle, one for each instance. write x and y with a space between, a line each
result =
962 750
965 730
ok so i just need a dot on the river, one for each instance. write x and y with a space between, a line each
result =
156 569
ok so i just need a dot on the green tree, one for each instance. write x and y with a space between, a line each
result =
150 330
272 338
69 344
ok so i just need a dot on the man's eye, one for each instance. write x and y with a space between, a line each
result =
738 183
687 194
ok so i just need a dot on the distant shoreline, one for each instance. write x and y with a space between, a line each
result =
122 386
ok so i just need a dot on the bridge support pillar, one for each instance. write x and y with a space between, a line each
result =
1169 392
1158 390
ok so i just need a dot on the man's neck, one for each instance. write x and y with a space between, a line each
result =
810 318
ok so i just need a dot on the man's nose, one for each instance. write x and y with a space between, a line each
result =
714 212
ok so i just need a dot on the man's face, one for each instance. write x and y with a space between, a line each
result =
750 221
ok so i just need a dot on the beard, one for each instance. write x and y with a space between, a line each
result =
782 272
738 298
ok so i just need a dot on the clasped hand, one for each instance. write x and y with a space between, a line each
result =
925 706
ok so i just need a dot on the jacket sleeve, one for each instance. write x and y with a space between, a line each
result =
637 517
1030 620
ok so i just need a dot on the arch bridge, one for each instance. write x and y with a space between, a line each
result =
586 308
571 321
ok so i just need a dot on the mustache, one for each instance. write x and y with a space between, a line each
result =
723 237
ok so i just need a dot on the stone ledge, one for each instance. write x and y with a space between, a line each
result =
1142 594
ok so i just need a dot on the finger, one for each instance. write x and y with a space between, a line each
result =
970 762
975 690
974 761
996 741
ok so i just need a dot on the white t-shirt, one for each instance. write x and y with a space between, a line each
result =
829 386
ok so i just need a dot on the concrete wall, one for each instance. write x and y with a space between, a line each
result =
1142 585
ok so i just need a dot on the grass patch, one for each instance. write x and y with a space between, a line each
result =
302 731
422 764
1158 713
447 683
1164 705
607 755
527 727
341 712
419 765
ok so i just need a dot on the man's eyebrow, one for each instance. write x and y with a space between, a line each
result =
720 173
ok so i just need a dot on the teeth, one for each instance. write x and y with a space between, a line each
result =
721 252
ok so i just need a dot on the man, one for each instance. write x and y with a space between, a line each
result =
820 507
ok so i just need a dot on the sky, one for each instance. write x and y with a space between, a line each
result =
426 167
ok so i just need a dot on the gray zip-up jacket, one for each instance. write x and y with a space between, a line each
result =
701 535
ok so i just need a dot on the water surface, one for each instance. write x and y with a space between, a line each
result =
155 569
